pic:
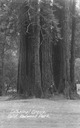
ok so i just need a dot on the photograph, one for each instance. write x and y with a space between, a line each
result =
39 63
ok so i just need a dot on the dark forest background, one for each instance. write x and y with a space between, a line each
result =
39 47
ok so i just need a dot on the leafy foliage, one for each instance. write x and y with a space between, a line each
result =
9 36
48 22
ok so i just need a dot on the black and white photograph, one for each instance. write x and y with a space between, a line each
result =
39 63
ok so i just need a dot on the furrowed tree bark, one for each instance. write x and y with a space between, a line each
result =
37 88
45 52
47 72
29 75
22 86
22 66
66 38
65 65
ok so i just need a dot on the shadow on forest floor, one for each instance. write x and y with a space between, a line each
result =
53 97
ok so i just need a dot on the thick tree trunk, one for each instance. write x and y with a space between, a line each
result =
37 88
22 87
65 66
22 66
29 75
30 66
47 72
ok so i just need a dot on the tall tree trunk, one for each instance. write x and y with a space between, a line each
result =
37 88
22 66
47 72
22 87
1 68
2 45
3 55
45 51
72 61
65 66
29 75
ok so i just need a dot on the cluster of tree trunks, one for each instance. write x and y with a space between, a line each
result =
46 64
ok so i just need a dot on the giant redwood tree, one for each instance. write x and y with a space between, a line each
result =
37 22
62 49
65 65
29 76
44 58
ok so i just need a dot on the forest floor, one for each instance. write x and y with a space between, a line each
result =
39 113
